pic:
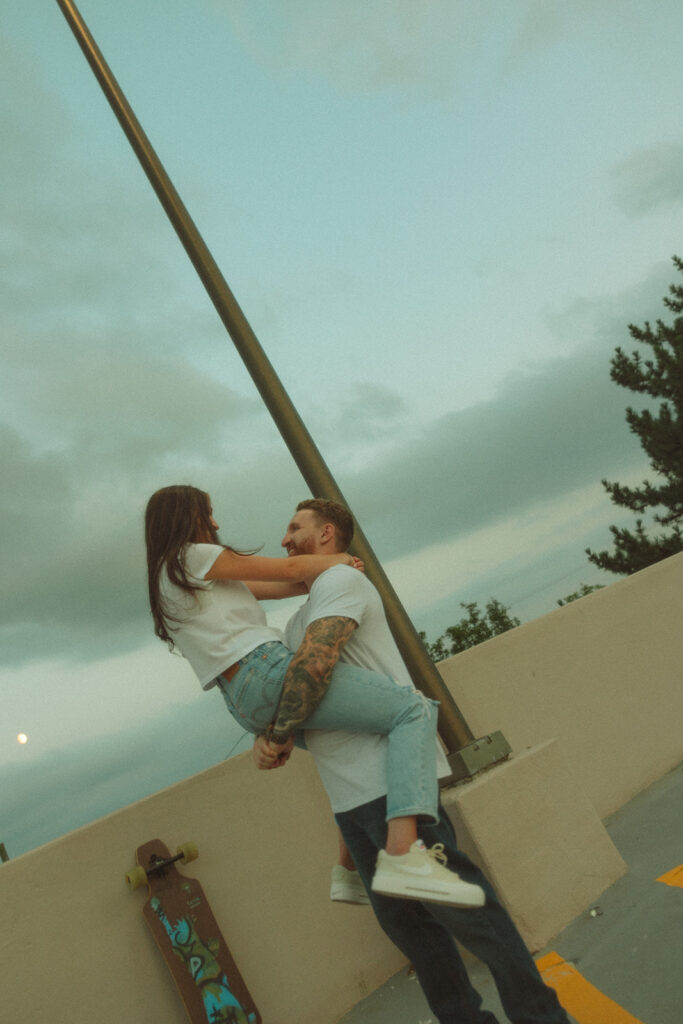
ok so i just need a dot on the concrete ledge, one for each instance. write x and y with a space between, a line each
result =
601 675
538 839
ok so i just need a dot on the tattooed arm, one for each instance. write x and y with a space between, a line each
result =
309 674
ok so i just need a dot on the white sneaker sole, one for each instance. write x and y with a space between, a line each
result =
351 900
360 899
464 896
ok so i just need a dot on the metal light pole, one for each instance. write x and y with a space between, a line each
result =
465 755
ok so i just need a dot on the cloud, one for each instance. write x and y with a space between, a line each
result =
369 417
438 49
650 179
100 396
541 24
543 435
554 427
360 48
64 227
90 431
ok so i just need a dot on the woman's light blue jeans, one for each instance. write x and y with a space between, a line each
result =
359 701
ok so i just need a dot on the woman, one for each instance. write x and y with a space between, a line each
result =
201 605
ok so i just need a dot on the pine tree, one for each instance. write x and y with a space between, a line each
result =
661 436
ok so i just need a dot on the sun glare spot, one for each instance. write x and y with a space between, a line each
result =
22 738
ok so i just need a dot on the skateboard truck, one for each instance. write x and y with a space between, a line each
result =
139 875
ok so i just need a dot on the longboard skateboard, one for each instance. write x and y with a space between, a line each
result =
185 930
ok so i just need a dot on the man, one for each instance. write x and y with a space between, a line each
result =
351 766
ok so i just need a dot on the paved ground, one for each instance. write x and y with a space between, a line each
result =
621 962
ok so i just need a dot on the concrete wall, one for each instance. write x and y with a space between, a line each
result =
601 676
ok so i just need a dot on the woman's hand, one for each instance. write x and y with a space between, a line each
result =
271 755
357 563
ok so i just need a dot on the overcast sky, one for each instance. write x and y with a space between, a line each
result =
438 218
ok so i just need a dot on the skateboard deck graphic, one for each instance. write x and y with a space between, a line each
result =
187 934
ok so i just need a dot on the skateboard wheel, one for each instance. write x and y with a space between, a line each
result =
136 878
188 852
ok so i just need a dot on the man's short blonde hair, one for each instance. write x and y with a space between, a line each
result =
328 511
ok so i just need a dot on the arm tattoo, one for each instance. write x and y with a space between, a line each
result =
310 671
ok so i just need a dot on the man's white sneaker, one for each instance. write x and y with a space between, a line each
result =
347 886
420 875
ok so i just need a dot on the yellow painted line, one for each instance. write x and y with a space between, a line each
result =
674 877
583 1000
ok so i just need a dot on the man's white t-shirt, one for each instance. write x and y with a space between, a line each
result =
352 765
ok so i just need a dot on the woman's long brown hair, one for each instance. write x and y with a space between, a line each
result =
175 516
